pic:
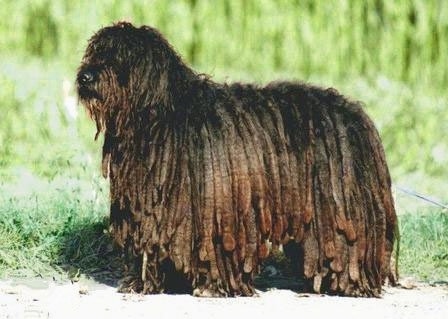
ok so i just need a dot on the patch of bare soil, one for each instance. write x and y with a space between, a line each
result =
89 299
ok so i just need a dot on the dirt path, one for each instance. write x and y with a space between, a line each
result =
43 299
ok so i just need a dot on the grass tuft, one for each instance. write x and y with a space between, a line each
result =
48 229
424 245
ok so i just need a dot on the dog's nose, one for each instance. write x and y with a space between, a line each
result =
85 77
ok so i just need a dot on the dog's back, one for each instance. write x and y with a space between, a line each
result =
312 169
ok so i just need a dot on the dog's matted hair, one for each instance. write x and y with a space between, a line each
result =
207 178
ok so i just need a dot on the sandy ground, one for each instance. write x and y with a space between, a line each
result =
45 299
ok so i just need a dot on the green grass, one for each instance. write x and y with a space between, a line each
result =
424 245
389 54
60 227
54 227
404 39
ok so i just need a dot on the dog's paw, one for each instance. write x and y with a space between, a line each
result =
210 290
131 284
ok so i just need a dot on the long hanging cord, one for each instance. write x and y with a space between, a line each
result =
421 196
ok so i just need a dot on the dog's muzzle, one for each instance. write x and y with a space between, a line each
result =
86 80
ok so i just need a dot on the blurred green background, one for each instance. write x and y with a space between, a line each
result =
391 55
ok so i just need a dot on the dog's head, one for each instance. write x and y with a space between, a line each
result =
125 70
